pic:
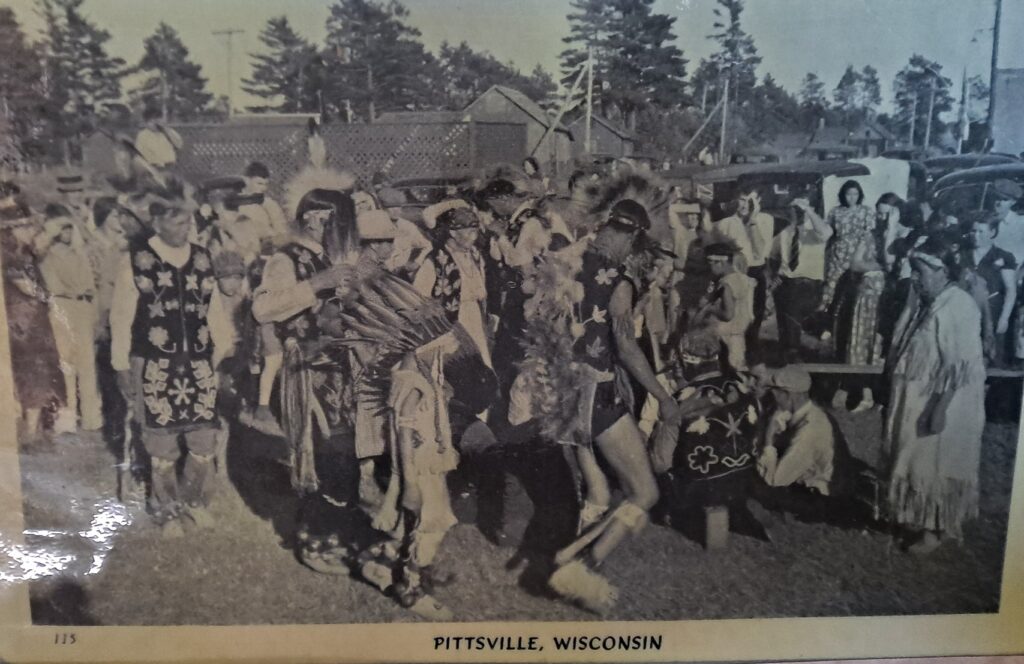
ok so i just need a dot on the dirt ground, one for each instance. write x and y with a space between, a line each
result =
97 561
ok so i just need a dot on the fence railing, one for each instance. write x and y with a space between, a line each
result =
412 150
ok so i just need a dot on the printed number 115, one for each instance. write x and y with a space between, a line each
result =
64 638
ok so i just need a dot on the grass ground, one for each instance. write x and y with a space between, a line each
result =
109 566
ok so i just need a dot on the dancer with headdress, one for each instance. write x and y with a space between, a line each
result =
298 281
581 333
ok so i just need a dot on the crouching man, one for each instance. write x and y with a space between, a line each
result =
805 464
166 320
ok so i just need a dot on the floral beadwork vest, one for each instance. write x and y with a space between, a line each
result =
171 335
303 326
599 276
448 285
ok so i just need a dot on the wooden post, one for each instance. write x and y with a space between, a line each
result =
716 527
587 146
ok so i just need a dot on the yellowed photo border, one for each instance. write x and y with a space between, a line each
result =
699 640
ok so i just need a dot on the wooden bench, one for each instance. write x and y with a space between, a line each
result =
870 369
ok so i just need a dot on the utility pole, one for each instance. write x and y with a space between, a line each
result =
931 109
995 66
913 121
229 34
590 99
725 116
372 110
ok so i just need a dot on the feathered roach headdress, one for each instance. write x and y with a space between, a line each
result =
386 314
645 188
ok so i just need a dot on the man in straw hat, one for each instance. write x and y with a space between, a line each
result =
608 344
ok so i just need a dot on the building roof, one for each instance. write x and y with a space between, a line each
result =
527 105
621 132
400 117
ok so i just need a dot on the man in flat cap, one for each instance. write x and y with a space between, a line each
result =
799 447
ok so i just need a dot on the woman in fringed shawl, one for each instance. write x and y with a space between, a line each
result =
937 409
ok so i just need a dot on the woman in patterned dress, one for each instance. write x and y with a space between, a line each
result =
863 343
850 221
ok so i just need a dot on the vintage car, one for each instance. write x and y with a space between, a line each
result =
971 189
939 167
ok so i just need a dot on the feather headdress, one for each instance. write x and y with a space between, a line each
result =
314 178
385 314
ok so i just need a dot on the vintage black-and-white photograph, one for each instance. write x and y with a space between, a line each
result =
364 311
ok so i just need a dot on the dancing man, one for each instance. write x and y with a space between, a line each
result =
607 344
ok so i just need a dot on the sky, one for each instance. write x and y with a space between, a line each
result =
793 36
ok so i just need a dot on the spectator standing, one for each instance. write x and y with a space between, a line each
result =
752 231
936 411
800 252
69 279
991 276
850 222
35 364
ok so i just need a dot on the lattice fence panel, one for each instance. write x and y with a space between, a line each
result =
214 150
400 150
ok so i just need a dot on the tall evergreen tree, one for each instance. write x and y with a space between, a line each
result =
870 90
176 85
375 60
645 68
913 88
468 73
636 64
80 76
737 56
847 93
289 74
814 104
21 89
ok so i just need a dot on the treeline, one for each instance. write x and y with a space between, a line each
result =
57 89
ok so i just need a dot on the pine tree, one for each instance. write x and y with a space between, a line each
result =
376 62
912 90
79 75
636 64
177 86
847 93
289 74
870 90
467 74
814 105
21 90
737 56
772 110
645 68
541 87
